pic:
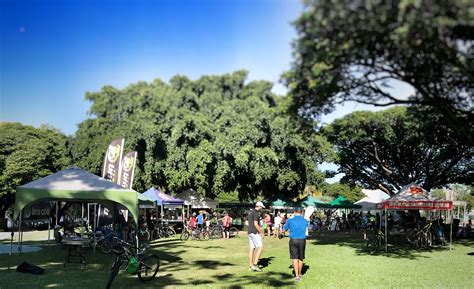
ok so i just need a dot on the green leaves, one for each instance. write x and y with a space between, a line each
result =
392 148
351 50
26 154
217 135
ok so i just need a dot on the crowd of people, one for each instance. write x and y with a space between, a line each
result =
204 219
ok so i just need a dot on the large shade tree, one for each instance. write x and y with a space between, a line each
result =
218 135
350 50
392 148
26 154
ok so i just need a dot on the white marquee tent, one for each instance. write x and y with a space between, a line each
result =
371 199
193 200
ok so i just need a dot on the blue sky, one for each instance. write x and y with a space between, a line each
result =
52 52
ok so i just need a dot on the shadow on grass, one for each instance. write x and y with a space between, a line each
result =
264 262
395 249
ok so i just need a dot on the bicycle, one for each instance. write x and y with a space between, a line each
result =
201 234
373 244
233 232
146 267
216 231
165 231
421 238
103 242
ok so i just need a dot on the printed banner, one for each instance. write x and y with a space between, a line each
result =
127 170
112 160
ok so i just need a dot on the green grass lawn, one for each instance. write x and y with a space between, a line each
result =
333 260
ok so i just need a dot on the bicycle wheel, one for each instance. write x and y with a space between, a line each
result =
170 232
411 236
371 245
205 235
425 240
196 234
144 236
106 246
216 234
184 235
148 267
233 232
114 271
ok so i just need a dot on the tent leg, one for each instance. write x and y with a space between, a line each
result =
386 235
49 232
57 212
451 233
114 221
98 218
11 248
162 214
20 233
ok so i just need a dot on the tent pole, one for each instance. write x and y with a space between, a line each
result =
20 233
88 216
57 212
451 233
161 214
11 245
114 220
98 217
49 231
386 235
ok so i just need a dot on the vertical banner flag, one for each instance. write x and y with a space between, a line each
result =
112 159
127 170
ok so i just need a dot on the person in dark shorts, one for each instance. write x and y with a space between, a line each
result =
297 227
255 234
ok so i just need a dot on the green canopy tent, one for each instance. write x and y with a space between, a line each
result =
309 200
278 204
342 203
75 184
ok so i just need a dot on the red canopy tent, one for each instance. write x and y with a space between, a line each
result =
413 197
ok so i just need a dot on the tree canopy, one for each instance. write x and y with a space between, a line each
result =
351 193
26 154
218 135
354 50
392 148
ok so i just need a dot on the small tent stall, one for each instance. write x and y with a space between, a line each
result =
413 197
342 203
309 200
194 201
371 199
168 205
75 184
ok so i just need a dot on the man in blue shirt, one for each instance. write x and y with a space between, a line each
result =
297 226
200 220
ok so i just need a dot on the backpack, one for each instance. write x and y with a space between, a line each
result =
29 268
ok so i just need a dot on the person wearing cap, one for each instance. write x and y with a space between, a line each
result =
255 234
297 227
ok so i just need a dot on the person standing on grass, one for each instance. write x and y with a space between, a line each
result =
276 226
297 227
255 233
200 220
226 221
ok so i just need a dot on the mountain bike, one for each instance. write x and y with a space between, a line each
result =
421 238
135 261
376 241
165 231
